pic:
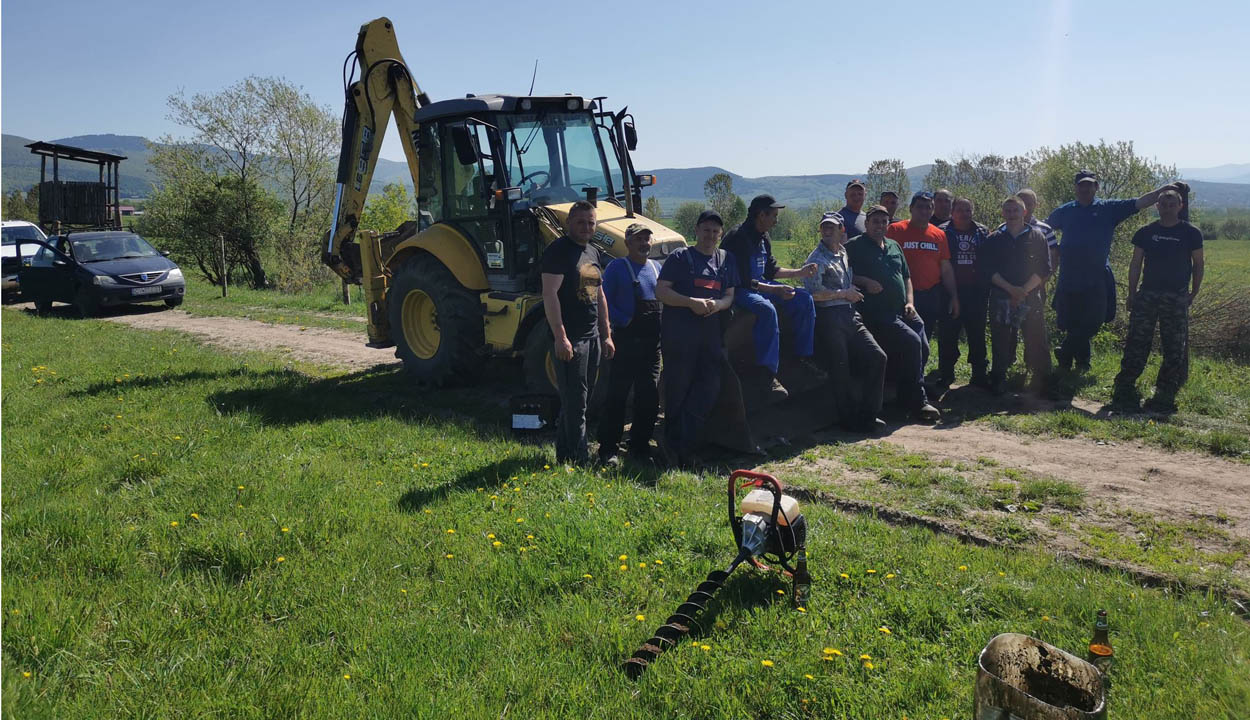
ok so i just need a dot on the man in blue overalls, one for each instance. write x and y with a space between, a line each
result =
695 284
629 284
757 269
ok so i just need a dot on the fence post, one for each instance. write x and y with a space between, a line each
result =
225 274
347 293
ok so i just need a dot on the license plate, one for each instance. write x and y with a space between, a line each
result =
154 290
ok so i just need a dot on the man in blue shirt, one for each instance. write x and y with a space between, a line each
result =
629 285
760 295
852 216
1085 295
696 283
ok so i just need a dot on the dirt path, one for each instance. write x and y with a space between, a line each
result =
1174 485
321 346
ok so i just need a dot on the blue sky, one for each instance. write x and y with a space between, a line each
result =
766 88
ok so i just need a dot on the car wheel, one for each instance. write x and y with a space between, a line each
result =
173 302
436 323
86 304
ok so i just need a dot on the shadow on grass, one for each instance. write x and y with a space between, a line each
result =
488 476
165 380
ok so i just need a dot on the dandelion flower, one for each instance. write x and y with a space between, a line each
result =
865 657
195 516
451 531
832 651
546 467
529 537
516 489
885 630
801 609
1002 574
1045 618
624 568
781 592
588 576
177 437
627 523
425 464
25 673
449 556
490 536
240 487
871 571
494 497
844 576
429 511
868 666
347 676
286 529
704 648
404 590
766 663
16 611
496 543
809 677
173 523
642 565
889 576
658 562
520 520
962 568
623 558
640 617
281 558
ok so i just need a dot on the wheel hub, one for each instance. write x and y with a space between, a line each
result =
420 321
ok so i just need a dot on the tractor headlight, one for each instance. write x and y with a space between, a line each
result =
104 280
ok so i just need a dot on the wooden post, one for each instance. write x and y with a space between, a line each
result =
347 293
225 280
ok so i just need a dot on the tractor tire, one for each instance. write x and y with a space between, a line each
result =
86 305
436 323
539 360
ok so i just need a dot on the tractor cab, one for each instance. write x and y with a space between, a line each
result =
503 170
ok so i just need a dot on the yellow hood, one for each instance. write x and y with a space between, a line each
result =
610 232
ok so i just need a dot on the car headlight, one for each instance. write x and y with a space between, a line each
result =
175 274
104 280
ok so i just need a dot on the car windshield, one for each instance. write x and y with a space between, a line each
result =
20 232
111 247
553 156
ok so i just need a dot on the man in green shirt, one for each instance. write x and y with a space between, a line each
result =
888 312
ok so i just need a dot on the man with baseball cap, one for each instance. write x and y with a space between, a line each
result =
844 347
629 285
1085 294
929 262
889 201
852 218
695 284
757 269
889 312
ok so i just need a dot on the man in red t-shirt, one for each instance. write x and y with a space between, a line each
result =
929 262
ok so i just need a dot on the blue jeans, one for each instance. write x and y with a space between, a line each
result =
766 335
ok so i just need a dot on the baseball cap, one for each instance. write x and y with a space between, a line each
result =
710 216
1085 176
831 217
922 195
759 202
888 192
636 229
855 182
874 210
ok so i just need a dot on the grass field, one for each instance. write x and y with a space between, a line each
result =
189 533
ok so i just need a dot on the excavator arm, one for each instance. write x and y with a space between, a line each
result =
385 88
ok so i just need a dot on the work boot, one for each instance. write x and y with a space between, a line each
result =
872 428
928 413
1125 401
609 460
980 379
1163 405
1063 359
777 392
998 384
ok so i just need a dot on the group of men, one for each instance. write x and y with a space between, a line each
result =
874 291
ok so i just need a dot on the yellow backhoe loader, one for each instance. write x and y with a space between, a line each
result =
495 177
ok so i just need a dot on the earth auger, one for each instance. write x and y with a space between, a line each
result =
770 527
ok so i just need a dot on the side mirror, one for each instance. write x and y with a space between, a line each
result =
164 253
466 152
631 137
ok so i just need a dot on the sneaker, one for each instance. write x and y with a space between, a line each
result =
928 413
611 460
777 392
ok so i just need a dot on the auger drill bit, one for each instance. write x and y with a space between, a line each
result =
678 625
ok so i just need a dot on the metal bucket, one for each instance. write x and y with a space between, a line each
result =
1022 678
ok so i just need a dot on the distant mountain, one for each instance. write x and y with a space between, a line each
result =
1221 174
19 169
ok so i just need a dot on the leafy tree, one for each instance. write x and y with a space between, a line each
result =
684 218
385 211
719 190
20 205
737 213
984 179
652 208
889 174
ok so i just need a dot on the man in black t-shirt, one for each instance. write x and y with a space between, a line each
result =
1171 250
577 313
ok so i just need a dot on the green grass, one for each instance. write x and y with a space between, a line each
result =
322 307
311 572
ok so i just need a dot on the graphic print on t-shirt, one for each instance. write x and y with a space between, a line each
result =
591 279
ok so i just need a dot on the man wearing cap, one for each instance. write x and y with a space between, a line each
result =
929 262
943 202
888 310
629 286
695 283
577 313
1085 294
889 201
965 237
757 269
844 347
852 218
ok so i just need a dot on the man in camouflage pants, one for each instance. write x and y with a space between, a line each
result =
1171 250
